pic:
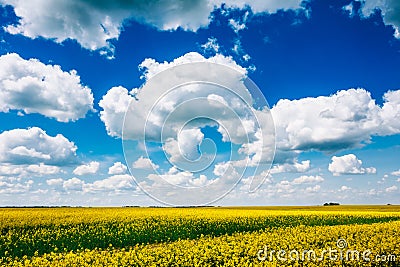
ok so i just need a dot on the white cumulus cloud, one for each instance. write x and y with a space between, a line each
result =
84 169
73 184
117 168
391 189
113 183
343 120
144 163
291 167
390 10
55 182
13 188
304 179
348 164
396 173
34 146
344 188
313 189
33 87
142 112
25 170
93 24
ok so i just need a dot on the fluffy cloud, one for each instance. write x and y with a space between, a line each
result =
152 67
291 167
112 183
25 170
390 113
284 187
144 163
390 10
153 103
211 46
43 169
117 168
170 109
114 104
391 189
344 188
34 146
348 164
186 147
73 184
329 123
325 123
258 6
90 168
308 179
33 87
94 23
396 173
313 189
55 182
181 178
15 188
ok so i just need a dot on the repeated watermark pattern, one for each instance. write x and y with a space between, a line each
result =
339 253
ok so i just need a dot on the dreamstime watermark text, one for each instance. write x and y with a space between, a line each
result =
340 252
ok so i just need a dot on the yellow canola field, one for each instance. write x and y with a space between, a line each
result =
319 236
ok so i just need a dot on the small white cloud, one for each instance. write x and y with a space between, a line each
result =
291 167
90 168
246 57
144 163
391 189
115 104
33 87
349 9
236 25
344 188
117 168
304 179
211 45
198 182
396 173
55 182
221 168
284 187
182 178
26 170
15 188
313 189
186 147
73 184
42 169
348 164
34 146
112 183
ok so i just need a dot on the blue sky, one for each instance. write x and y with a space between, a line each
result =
328 69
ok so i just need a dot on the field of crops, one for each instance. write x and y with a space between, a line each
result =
250 236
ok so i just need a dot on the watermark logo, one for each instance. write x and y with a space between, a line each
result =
193 132
339 253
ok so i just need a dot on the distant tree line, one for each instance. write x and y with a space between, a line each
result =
331 204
